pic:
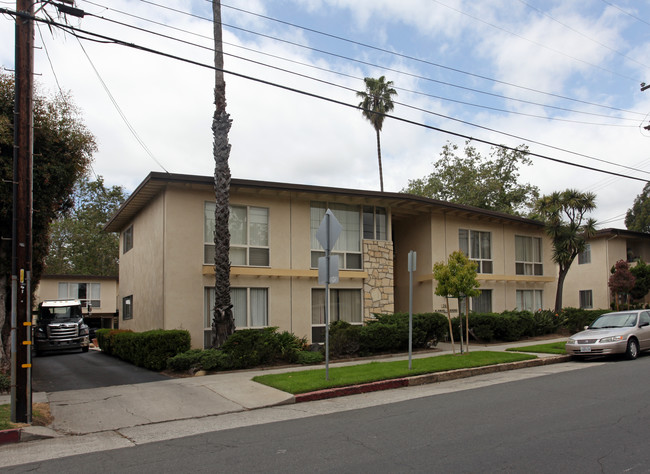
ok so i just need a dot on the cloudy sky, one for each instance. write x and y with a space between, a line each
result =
562 77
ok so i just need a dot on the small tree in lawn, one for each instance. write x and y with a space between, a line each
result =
457 279
621 281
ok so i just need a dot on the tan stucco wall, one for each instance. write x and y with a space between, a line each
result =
48 289
141 269
435 237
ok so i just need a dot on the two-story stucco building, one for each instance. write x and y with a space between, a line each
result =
98 296
166 255
586 283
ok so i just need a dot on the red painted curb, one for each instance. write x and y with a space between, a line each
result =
351 390
10 436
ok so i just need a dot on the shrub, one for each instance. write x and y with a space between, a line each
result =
252 347
290 346
576 319
5 382
105 338
185 360
310 357
149 349
343 338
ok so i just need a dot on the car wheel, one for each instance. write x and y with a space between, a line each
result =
632 351
84 349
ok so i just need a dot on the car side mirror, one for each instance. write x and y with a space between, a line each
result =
586 327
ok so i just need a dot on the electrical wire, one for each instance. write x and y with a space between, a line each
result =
396 102
120 112
103 38
358 78
299 45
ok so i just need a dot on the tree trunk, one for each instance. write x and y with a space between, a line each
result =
223 324
558 293
451 330
467 323
381 172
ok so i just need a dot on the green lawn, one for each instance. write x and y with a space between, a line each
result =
311 380
5 417
551 348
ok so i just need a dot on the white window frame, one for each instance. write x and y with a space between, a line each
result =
586 299
375 223
472 246
208 308
248 250
533 264
530 300
70 291
348 246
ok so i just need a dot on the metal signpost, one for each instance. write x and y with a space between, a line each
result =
328 271
412 264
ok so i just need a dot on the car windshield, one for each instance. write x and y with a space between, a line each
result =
617 320
62 312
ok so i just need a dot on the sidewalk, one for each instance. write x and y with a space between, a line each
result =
112 408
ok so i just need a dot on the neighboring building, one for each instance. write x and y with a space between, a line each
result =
97 292
586 282
166 255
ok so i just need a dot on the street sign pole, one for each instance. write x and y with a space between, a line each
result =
328 271
327 300
412 263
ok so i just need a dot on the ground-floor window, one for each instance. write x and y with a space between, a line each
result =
250 309
479 304
529 300
586 299
127 307
345 305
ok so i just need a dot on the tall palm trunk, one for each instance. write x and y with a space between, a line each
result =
223 324
381 172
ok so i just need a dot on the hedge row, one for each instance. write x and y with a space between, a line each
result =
248 348
386 333
149 349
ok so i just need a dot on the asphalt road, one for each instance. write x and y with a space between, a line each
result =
594 419
74 370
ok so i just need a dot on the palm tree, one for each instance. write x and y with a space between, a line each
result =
223 323
568 227
376 102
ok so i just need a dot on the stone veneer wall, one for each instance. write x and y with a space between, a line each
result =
378 289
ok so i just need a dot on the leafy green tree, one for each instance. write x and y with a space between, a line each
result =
638 217
457 279
63 149
621 281
78 243
641 272
490 182
376 101
564 215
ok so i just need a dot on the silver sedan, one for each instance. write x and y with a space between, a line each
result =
624 332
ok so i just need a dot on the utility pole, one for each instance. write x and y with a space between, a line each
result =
21 258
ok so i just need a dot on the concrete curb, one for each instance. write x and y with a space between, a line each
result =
427 378
10 436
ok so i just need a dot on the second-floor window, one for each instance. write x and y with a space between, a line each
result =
477 246
249 235
585 255
348 245
528 255
375 225
84 292
127 239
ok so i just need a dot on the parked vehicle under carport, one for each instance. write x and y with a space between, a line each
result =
60 327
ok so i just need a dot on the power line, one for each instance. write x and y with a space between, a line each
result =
353 77
396 102
103 38
397 54
365 63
